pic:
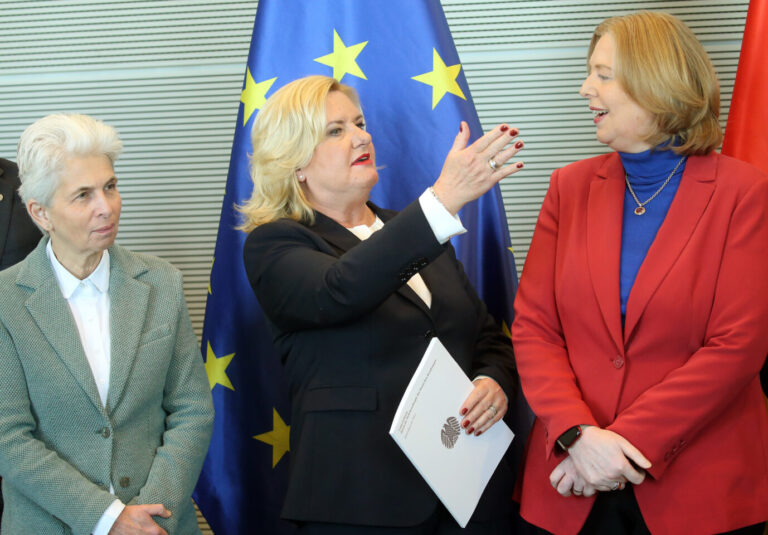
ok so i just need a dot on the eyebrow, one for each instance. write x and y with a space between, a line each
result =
342 122
82 189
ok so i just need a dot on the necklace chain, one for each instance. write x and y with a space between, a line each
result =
640 210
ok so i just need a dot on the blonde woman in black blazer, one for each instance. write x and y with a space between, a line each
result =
335 276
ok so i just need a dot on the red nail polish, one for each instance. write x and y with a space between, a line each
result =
519 145
519 165
504 128
478 433
465 423
471 430
461 127
463 411
513 132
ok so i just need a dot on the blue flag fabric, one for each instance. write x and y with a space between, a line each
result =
400 57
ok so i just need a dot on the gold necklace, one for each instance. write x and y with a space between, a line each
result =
640 210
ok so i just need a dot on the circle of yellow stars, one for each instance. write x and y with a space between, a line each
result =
343 60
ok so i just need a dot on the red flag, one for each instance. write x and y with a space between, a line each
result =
746 137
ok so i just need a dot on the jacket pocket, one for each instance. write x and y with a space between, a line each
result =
340 398
154 334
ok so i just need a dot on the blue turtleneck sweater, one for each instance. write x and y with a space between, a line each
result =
647 172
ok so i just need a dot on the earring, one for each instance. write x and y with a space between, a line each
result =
300 177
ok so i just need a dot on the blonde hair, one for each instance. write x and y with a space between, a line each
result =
662 66
284 135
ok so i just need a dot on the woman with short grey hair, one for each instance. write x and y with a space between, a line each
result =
45 145
105 408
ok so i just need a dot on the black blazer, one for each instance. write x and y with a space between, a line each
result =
351 333
18 235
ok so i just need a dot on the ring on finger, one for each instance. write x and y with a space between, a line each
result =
577 492
493 410
492 164
616 485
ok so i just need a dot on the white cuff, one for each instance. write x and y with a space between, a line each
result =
108 518
443 224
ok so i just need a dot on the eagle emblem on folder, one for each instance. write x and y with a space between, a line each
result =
450 432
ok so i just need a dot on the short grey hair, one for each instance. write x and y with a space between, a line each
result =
48 143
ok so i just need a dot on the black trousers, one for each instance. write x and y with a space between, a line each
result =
439 523
617 513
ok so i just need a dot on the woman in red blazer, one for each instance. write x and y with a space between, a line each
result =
642 314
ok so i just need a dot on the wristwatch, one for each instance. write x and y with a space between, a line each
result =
569 438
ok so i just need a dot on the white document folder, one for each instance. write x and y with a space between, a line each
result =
427 428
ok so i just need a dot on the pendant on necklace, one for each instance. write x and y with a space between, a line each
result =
640 210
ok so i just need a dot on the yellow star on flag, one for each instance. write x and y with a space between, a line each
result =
343 57
505 329
442 79
278 438
253 96
216 368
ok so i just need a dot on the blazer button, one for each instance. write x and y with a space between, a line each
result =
106 432
429 335
618 362
125 482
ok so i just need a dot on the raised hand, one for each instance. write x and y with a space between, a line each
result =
470 171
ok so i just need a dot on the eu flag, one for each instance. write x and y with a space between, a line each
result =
400 57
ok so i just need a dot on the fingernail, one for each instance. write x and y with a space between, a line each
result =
504 128
513 132
471 430
519 145
461 127
478 433
465 423
464 411
519 165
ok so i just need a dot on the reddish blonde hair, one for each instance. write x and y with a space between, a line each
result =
662 65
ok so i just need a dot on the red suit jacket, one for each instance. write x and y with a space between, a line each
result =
680 380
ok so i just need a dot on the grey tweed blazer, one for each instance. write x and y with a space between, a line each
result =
59 446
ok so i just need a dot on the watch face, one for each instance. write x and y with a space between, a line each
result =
569 437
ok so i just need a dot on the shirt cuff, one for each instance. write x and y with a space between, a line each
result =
108 518
443 224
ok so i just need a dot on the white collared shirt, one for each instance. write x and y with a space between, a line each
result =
88 300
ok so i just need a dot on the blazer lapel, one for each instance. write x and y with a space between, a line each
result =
426 273
51 313
605 206
343 240
692 197
332 232
129 299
